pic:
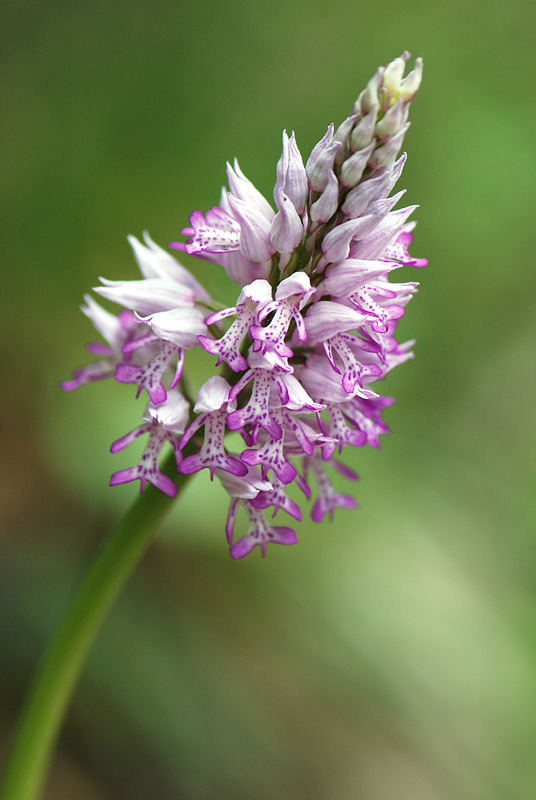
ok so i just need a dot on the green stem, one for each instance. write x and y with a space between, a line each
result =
47 700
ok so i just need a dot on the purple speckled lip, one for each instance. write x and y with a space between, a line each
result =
311 332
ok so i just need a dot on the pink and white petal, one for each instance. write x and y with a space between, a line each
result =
90 372
287 228
171 414
327 318
254 230
212 395
181 326
298 283
147 296
157 263
336 245
242 188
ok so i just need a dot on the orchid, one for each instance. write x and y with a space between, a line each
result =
298 359
299 356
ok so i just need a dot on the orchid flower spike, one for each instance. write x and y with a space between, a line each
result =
312 331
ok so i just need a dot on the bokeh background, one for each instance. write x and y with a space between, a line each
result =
391 653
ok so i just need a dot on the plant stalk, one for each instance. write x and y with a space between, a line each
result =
55 679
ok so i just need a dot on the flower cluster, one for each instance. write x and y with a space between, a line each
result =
312 329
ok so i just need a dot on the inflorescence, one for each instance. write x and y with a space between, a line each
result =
312 329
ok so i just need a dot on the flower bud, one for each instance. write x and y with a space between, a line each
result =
410 85
254 230
358 199
341 135
370 96
336 244
386 154
287 227
363 132
321 161
244 190
392 76
327 204
398 87
392 120
291 176
353 167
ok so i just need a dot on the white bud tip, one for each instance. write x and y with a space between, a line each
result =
396 85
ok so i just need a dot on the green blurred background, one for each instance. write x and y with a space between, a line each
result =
390 655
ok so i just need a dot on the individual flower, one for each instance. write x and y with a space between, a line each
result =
299 356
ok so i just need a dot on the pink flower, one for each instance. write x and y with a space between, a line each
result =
312 331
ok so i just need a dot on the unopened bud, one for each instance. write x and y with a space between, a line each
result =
287 228
353 167
386 154
254 230
392 76
392 120
358 200
363 132
341 135
320 162
327 204
291 177
369 97
410 85
245 191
